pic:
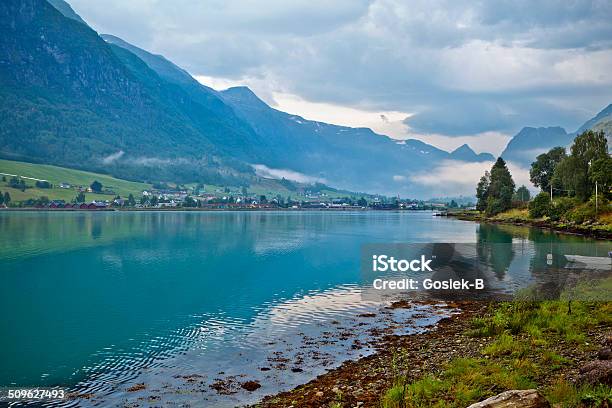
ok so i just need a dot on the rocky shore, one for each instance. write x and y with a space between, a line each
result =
564 370
361 383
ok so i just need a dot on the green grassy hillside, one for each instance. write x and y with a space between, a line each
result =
56 175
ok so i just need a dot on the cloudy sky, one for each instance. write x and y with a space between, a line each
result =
446 72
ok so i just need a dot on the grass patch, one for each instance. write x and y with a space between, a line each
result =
521 354
566 395
514 214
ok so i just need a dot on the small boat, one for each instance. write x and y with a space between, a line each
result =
589 262
440 214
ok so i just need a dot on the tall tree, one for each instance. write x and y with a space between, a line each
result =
589 149
542 170
501 188
482 190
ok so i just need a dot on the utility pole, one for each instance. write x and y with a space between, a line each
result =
595 196
551 192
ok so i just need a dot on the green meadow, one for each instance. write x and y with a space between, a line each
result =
56 175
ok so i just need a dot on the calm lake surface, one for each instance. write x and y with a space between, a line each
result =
102 301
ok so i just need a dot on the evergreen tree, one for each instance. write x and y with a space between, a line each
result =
131 200
482 191
80 198
7 198
501 188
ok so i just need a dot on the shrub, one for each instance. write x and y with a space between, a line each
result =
582 213
539 206
561 207
43 184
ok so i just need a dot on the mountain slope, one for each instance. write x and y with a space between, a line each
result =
198 93
68 98
66 10
354 158
602 117
601 122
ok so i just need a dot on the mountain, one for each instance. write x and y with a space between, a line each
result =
524 147
353 158
71 97
465 153
530 142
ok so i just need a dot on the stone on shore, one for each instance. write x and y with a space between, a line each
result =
597 372
514 399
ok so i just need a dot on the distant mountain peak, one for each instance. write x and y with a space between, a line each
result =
466 153
464 148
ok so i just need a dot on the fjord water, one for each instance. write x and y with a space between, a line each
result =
109 295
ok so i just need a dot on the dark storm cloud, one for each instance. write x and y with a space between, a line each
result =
460 67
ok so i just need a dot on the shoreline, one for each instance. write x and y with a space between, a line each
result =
560 228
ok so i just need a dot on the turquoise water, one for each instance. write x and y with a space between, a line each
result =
96 301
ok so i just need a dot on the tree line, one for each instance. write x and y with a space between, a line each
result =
572 178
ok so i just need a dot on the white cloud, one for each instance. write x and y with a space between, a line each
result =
452 178
113 157
265 171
